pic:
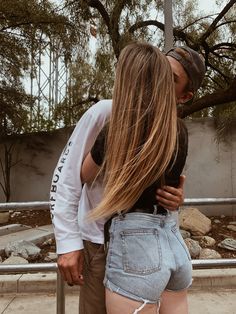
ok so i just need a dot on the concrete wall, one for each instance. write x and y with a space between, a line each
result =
35 157
210 167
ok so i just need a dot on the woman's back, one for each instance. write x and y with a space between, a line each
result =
142 130
171 176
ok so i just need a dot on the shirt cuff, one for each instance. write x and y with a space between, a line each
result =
69 245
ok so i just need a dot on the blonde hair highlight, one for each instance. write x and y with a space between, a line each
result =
142 130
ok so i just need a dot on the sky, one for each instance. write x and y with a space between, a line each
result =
208 5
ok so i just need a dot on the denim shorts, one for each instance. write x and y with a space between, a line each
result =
146 256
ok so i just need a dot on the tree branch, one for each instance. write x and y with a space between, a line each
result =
86 101
220 56
212 27
4 191
116 12
225 23
96 4
222 45
177 32
115 18
217 98
218 71
195 21
3 29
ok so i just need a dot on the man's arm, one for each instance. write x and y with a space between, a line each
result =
171 198
66 189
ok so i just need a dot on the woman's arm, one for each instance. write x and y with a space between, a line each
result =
89 169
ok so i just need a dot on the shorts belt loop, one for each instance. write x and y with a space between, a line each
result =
155 209
121 215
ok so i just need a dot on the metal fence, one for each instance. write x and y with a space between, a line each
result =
47 267
41 267
45 205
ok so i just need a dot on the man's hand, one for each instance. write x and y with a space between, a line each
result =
171 198
71 267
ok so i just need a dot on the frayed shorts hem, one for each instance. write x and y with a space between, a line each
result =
114 288
179 290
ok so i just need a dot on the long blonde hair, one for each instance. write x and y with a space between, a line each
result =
142 129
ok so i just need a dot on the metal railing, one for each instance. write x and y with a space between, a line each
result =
22 206
41 267
45 267
210 201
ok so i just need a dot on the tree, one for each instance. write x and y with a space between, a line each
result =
25 27
120 21
7 162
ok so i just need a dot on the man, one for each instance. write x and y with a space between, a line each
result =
79 243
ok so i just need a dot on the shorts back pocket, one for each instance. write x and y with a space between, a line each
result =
141 251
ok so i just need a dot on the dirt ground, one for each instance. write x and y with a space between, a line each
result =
39 218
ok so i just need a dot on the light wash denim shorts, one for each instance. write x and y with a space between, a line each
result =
146 256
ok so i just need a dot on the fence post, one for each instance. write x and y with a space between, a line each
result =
60 294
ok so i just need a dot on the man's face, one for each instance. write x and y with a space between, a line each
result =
181 81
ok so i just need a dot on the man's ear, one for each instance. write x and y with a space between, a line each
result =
185 97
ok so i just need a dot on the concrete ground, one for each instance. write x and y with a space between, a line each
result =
212 292
205 302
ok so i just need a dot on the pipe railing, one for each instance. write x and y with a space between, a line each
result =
22 206
60 292
210 201
211 263
45 267
41 267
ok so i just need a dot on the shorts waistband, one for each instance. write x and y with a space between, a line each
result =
155 218
154 209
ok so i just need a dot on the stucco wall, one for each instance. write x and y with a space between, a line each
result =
210 167
35 156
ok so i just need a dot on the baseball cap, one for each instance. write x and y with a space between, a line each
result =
192 62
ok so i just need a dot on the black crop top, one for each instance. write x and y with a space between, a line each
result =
148 197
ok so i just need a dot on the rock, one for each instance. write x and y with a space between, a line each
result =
185 234
228 243
12 260
222 216
14 214
209 254
4 217
232 222
193 247
224 235
48 242
52 256
191 219
216 221
231 227
206 241
25 249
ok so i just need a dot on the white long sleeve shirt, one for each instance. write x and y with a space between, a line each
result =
70 202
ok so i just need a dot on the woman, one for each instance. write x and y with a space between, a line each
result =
143 150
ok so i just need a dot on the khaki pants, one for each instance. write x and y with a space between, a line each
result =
92 293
